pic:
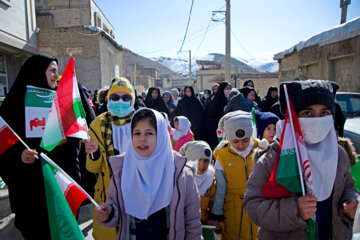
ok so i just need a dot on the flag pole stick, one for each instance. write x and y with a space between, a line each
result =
294 139
87 131
52 163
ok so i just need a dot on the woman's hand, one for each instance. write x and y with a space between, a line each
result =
29 155
349 208
90 146
62 142
307 205
103 212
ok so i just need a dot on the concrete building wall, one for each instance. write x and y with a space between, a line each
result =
111 60
18 39
338 62
64 29
66 13
98 19
83 44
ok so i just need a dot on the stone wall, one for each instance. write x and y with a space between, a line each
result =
338 62
262 81
66 13
83 44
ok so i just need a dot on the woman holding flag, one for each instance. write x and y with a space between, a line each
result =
275 196
21 173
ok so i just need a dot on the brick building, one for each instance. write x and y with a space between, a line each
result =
332 55
80 28
17 39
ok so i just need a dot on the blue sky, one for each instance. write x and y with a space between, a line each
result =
259 28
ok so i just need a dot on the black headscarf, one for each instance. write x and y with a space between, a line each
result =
15 173
268 101
217 105
192 108
247 82
214 111
158 103
246 90
32 73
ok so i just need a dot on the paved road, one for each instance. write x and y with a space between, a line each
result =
8 230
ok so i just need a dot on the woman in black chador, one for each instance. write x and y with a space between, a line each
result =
155 101
191 107
20 169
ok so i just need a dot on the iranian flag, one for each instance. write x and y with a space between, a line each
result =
292 167
253 122
7 136
73 195
61 219
67 116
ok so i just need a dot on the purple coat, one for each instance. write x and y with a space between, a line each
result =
184 205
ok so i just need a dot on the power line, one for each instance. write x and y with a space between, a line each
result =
187 26
202 40
241 45
174 43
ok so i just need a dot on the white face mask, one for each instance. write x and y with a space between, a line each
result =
226 92
316 129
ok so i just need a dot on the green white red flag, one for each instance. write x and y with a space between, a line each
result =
61 219
7 136
292 167
67 116
253 121
73 195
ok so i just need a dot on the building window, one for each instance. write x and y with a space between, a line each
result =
6 2
97 20
3 78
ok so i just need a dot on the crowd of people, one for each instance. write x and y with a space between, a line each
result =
182 165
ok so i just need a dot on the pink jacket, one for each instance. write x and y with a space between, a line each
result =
184 206
184 139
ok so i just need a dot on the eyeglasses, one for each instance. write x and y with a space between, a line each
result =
125 98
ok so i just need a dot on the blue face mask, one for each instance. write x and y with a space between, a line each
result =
120 108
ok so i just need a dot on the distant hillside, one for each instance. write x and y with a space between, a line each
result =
181 66
265 64
130 58
235 63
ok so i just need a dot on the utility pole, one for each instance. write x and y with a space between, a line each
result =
134 75
344 5
227 44
189 66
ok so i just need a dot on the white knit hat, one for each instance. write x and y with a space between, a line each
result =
195 150
236 125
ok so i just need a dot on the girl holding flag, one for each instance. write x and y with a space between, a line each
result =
110 135
152 193
274 198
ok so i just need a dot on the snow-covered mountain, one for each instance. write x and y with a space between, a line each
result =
264 64
181 65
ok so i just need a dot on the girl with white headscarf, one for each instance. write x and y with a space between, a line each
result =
155 197
182 133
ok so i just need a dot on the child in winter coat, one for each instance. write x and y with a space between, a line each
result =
266 125
182 133
155 197
234 162
332 199
198 155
